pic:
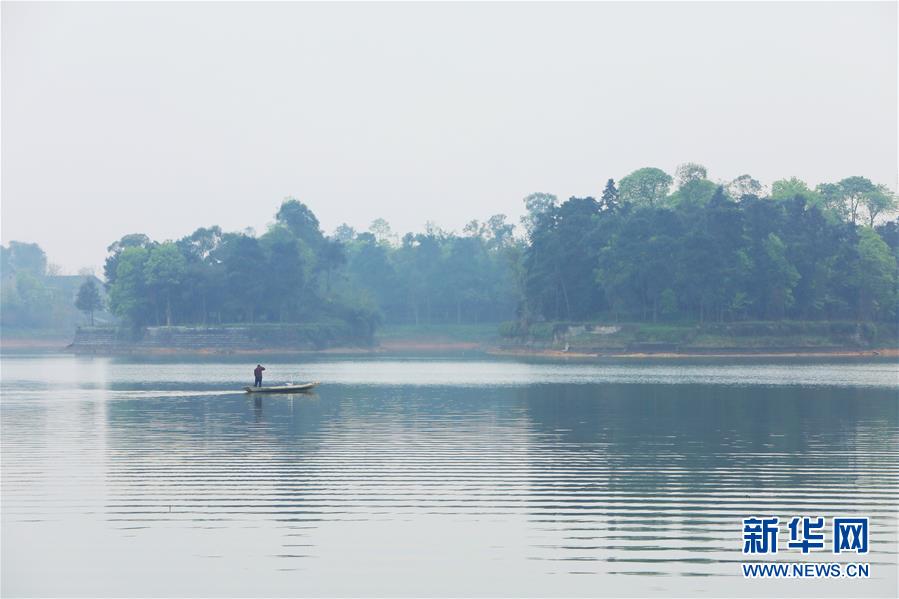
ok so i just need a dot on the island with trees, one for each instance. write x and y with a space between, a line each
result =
654 262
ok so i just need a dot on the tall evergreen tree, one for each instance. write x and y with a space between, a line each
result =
609 200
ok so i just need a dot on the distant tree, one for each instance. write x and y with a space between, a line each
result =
744 185
645 186
690 171
27 257
500 232
608 202
853 192
561 253
787 189
370 268
344 233
5 261
780 276
831 197
538 205
879 201
88 299
128 294
432 229
245 263
27 302
164 274
300 220
284 277
475 228
889 232
331 257
464 264
115 249
634 268
380 228
201 243
693 194
875 277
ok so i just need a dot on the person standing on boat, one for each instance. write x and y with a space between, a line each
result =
257 372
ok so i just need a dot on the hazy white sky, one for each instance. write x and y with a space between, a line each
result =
163 117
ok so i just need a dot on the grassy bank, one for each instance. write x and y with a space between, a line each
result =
311 336
437 337
566 337
697 338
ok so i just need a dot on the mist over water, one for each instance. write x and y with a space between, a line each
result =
435 476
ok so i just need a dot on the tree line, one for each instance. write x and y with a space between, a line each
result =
295 273
653 247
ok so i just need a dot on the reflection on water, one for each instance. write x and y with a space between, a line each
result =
434 477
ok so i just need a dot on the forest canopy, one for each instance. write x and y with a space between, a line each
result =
653 247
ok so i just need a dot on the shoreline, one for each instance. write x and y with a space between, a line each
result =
53 343
762 353
436 347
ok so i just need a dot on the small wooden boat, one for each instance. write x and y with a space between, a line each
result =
301 388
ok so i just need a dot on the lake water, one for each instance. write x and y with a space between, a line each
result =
452 476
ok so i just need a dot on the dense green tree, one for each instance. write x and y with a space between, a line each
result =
879 201
344 233
164 275
852 192
331 257
690 171
780 277
115 249
608 202
744 185
26 257
245 274
889 232
634 267
380 228
646 186
537 206
5 261
464 267
875 276
201 243
371 271
562 251
88 299
810 240
129 295
830 196
499 233
693 194
300 221
284 275
787 189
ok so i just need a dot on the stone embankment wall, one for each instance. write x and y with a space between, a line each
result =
210 339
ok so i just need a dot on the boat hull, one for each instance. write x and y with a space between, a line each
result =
304 388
